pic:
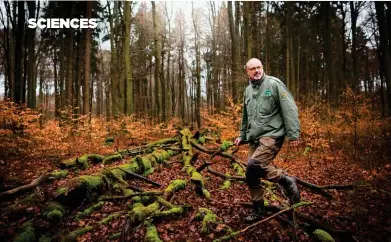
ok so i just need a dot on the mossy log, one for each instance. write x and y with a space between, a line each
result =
151 234
89 210
195 177
36 182
75 191
54 213
72 236
82 161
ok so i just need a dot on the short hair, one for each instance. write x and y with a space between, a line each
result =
245 67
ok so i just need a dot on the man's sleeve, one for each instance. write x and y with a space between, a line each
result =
243 127
289 112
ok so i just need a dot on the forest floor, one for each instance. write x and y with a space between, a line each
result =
365 211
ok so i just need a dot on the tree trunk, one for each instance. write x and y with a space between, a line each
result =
62 70
18 92
355 77
332 87
234 53
113 72
157 60
128 70
87 58
31 94
384 49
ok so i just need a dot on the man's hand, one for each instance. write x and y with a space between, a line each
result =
238 141
294 143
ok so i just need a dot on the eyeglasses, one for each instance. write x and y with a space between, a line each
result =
254 68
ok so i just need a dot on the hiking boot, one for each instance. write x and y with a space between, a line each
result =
258 212
290 187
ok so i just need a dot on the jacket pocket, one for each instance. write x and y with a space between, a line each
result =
266 105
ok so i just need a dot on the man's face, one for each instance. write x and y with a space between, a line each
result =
255 70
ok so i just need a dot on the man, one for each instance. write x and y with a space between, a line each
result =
269 114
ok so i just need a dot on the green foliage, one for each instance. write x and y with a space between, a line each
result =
72 236
226 144
89 210
208 218
307 150
201 140
27 233
323 236
175 185
151 235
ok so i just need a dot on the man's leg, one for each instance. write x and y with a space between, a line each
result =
260 167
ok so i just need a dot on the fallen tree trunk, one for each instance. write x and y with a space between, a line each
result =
76 190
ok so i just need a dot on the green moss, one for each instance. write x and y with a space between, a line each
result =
109 218
142 199
54 213
151 235
91 182
227 237
109 141
45 238
152 158
225 145
148 172
54 216
170 152
165 203
140 212
111 158
62 190
59 174
83 160
197 177
206 193
202 212
89 210
72 236
27 233
115 236
201 140
239 170
170 213
210 218
175 186
226 185
323 236
161 155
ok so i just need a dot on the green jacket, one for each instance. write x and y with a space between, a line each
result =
269 110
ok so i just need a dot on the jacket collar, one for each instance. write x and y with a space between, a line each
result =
257 83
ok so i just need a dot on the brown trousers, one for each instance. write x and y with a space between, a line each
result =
260 158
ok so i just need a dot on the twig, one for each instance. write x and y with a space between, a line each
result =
140 177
